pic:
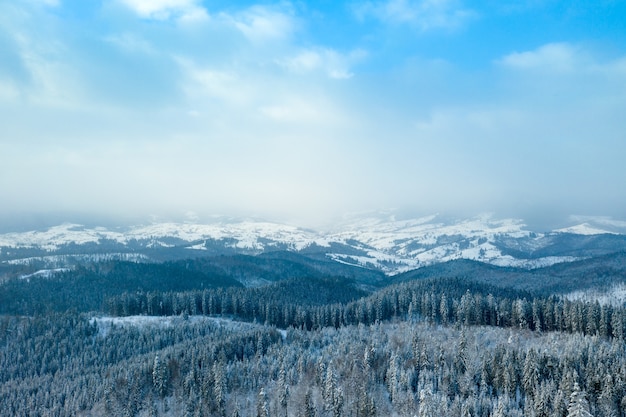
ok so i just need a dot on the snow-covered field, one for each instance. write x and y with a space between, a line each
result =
105 323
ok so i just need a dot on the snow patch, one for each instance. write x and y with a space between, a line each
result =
52 260
106 323
199 246
45 273
584 229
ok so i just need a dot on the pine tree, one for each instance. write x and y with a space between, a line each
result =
617 324
559 403
329 387
543 399
365 403
444 310
393 377
308 409
530 375
237 410
332 393
283 389
263 409
426 408
219 387
337 402
578 405
607 402
500 410
461 361
158 376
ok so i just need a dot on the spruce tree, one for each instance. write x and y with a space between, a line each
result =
578 405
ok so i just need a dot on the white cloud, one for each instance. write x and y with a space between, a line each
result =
332 63
194 15
52 81
563 58
466 122
48 3
51 3
566 72
424 14
205 82
263 100
131 43
553 57
8 90
166 9
300 109
262 24
615 69
291 112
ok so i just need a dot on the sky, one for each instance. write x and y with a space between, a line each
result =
304 111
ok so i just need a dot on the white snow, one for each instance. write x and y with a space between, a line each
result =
386 243
199 246
65 259
105 323
56 236
584 229
604 221
408 244
45 273
246 235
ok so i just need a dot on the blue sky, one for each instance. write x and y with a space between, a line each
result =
304 111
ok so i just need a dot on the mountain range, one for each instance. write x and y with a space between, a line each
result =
380 243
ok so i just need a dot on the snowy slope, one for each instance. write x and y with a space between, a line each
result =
246 234
584 229
54 237
407 244
377 242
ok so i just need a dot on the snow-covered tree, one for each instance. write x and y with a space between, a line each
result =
159 378
578 405
263 408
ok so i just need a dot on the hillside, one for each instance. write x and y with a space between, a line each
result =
601 272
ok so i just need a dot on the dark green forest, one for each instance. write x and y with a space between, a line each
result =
288 335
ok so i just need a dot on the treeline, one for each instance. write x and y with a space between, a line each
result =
259 304
442 301
86 288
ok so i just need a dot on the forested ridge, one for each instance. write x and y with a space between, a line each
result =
312 346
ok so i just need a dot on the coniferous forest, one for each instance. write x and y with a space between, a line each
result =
188 339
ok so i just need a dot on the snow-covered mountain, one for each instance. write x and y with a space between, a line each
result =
376 242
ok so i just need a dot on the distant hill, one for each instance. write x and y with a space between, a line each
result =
381 244
601 272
